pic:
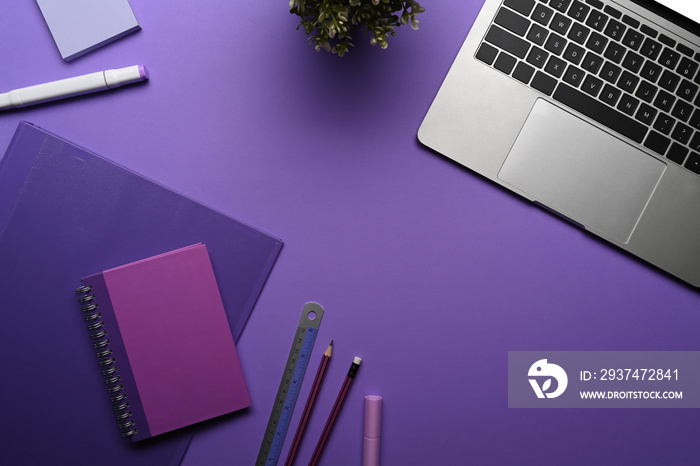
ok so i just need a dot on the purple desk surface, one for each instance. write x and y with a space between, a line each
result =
426 271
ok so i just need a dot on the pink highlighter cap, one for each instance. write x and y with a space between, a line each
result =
373 427
373 416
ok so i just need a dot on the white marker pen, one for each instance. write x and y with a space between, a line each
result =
85 84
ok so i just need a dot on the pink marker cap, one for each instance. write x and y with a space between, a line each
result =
373 416
373 430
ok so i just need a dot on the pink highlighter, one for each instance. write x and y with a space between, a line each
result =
373 430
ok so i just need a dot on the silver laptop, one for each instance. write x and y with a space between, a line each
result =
588 108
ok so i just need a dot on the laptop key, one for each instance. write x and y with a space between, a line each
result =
695 119
649 31
633 62
664 123
592 63
693 163
512 21
592 85
523 72
579 10
657 142
628 104
600 112
628 82
555 44
555 66
537 57
597 43
615 29
537 34
677 153
507 41
664 39
597 20
664 101
573 76
669 58
610 95
574 53
650 71
560 5
646 92
579 33
615 13
687 68
628 20
487 53
682 133
646 114
685 50
505 63
687 90
523 7
560 24
542 14
695 142
633 39
543 83
614 52
610 72
650 49
669 80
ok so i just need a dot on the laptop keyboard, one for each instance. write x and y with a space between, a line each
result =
606 65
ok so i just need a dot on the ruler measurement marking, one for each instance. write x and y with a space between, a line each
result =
290 385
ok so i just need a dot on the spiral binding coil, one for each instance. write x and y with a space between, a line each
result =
107 363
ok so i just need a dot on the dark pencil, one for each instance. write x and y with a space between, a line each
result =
335 411
315 388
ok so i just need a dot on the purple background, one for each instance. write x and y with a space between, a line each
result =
426 271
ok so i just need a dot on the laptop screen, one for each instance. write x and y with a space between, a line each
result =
685 13
689 9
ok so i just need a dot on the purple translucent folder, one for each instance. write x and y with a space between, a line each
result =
163 342
66 213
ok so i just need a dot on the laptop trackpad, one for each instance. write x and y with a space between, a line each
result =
581 171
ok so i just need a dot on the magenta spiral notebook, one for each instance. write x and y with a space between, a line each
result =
163 343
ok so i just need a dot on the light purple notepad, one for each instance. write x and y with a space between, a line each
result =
81 26
163 342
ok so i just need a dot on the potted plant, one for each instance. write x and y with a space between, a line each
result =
330 22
